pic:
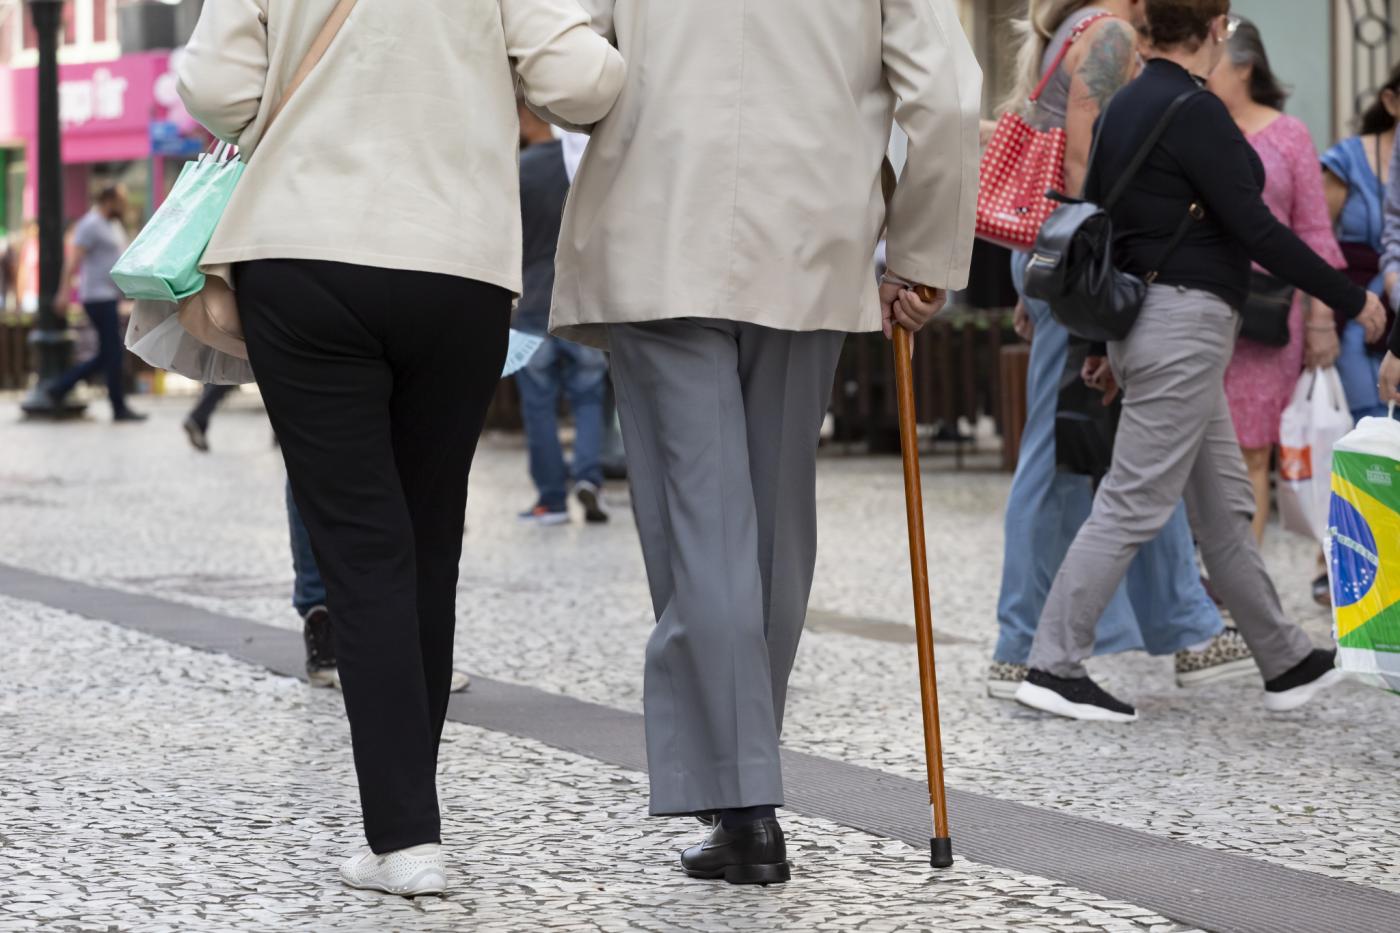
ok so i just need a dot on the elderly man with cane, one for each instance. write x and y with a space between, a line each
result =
718 242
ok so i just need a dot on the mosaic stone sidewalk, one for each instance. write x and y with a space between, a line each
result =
565 610
150 787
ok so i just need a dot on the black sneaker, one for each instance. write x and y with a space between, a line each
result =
320 648
1073 698
595 509
1311 676
1322 591
199 437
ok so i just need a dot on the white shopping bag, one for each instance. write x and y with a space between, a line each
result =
1316 419
156 336
1364 551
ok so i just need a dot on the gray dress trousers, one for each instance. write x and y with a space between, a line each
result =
1176 440
721 421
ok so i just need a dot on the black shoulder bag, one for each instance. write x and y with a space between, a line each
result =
1072 267
1085 427
1265 316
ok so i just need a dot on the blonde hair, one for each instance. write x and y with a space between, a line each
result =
1043 19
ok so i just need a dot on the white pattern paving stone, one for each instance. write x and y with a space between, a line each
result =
152 787
566 610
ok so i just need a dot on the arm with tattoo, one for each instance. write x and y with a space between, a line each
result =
1106 61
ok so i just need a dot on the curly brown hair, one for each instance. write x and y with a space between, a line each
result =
1172 23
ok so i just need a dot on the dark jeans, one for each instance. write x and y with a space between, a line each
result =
309 591
108 360
377 382
209 399
581 373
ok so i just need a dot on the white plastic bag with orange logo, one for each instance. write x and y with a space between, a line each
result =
1316 419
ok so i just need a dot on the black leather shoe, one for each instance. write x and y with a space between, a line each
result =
752 854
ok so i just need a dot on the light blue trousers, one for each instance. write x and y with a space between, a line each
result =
1161 607
1361 374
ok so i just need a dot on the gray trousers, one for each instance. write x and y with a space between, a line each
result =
721 422
1176 439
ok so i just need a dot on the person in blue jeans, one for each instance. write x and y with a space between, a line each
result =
97 244
1162 608
581 374
558 367
309 601
1356 172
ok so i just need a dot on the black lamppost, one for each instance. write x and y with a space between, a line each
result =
53 345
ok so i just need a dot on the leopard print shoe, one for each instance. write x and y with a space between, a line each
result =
1004 679
1225 658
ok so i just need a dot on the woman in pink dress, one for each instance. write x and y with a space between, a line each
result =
1260 379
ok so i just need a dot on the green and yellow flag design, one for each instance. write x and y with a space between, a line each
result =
1364 528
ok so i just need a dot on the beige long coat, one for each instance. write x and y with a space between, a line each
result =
738 175
400 150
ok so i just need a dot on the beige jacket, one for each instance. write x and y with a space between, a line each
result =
738 176
400 150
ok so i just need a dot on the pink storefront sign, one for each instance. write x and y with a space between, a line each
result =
105 108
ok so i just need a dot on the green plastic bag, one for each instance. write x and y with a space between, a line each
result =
162 263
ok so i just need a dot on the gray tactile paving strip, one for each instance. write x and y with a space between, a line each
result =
1202 887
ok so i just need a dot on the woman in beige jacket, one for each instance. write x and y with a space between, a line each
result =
375 238
719 239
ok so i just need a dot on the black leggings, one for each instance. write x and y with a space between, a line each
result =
377 382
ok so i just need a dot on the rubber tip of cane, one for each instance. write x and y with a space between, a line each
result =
941 853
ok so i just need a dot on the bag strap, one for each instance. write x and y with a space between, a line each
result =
1145 150
1054 69
319 45
1194 214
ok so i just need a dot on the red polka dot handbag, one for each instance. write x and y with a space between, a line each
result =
1020 165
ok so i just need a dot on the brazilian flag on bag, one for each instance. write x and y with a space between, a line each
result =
1364 544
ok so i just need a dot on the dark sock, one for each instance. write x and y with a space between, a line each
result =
744 816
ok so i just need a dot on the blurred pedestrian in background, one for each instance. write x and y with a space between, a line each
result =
97 242
1260 379
1390 259
1357 170
1176 436
718 240
559 366
1390 269
196 423
9 264
1162 606
377 248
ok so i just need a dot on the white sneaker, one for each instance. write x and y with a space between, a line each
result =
1073 698
406 872
1306 680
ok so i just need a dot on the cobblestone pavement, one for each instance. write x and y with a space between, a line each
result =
168 789
565 610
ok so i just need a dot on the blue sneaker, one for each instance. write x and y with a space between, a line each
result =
544 515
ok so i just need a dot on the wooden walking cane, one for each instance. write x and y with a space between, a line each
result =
941 844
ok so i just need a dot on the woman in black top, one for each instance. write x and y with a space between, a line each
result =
1176 437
